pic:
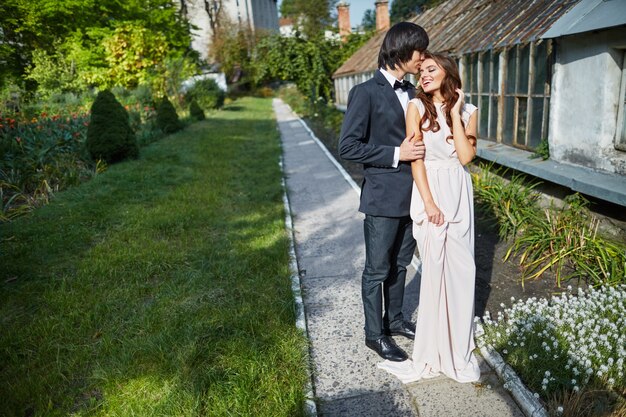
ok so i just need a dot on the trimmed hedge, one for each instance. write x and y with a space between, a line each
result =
195 111
167 118
109 135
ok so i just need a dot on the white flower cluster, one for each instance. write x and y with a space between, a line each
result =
566 341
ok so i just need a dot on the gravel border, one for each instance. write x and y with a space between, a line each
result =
310 408
528 403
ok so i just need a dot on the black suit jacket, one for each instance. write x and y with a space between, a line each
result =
373 127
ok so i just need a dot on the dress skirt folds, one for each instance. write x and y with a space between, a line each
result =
444 340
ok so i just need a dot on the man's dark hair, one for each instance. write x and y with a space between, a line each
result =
400 41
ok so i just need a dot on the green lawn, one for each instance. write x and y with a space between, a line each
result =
159 288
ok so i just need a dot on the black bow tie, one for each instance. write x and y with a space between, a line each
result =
404 85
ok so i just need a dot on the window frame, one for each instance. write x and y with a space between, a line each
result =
620 130
500 95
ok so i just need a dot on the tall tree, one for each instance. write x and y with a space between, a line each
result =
405 9
311 17
54 29
215 11
369 20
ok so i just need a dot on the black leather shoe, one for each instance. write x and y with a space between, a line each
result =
406 329
386 349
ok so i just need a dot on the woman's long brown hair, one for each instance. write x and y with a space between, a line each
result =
451 81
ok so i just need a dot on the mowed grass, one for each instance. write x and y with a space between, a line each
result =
159 288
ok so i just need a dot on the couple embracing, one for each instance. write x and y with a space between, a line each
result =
414 145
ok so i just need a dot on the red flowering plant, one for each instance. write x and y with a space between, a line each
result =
39 156
141 113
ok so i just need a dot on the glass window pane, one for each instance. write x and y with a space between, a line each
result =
493 125
524 62
511 70
522 111
483 113
465 77
486 61
496 72
541 67
535 124
509 109
474 73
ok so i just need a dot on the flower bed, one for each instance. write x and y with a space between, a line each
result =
566 348
40 156
45 152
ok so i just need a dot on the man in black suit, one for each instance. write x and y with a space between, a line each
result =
373 133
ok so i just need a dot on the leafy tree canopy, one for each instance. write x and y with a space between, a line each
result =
47 28
312 17
402 10
309 63
369 20
405 9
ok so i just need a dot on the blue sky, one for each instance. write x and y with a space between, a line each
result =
357 9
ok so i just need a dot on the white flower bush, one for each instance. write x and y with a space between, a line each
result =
566 343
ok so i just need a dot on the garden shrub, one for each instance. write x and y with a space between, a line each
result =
195 111
207 94
566 348
109 136
167 118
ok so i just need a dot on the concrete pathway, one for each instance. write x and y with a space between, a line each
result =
330 256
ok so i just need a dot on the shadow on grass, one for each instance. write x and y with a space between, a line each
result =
160 287
234 108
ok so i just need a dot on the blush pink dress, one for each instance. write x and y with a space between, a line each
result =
444 340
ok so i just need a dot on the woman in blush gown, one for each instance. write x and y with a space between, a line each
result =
442 211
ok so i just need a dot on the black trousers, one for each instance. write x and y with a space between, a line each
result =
389 248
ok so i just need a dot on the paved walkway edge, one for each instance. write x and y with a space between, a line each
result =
415 262
310 408
527 402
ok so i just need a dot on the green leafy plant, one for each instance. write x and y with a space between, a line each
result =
40 156
512 202
207 94
566 240
141 112
308 63
567 349
54 73
542 151
109 135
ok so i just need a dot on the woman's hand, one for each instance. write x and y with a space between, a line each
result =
456 109
435 215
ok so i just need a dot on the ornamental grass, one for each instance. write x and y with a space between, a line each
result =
561 239
40 156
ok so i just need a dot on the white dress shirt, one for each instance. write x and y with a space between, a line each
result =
403 96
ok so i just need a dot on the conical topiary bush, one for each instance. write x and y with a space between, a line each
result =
109 135
167 118
195 111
